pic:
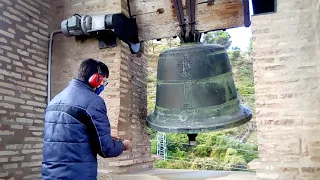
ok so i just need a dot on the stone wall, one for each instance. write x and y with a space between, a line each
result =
286 70
133 109
24 28
130 123
125 95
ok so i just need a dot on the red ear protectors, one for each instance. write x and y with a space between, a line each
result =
96 79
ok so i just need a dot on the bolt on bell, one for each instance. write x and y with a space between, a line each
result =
196 91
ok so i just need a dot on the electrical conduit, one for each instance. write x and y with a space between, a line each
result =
49 64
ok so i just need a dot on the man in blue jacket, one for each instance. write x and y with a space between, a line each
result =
77 129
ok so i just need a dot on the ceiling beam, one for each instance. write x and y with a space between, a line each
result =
156 19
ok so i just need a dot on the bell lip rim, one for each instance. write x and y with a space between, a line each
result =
244 118
216 127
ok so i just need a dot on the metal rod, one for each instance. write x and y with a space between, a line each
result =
180 16
49 63
129 9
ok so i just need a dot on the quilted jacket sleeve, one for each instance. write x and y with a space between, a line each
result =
102 141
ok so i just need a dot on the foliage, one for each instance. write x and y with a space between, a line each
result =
217 152
151 103
154 147
151 79
218 37
206 164
233 160
172 164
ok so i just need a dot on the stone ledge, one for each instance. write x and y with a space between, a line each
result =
132 161
171 174
254 164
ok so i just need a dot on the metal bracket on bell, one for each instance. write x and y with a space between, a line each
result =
190 34
180 16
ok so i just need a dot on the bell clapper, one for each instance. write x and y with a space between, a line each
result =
192 139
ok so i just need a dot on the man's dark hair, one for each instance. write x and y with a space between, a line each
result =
88 67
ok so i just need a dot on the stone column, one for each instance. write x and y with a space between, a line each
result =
286 70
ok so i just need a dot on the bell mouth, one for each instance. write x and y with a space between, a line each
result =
198 123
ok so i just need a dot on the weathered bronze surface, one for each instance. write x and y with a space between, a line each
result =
196 91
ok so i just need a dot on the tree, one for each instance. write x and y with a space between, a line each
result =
234 54
218 37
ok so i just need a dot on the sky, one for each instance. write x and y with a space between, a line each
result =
240 37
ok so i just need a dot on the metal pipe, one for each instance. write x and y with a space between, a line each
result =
49 64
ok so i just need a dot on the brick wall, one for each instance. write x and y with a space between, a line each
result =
286 70
132 114
130 122
125 95
24 27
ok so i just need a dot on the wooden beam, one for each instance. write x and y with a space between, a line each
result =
157 19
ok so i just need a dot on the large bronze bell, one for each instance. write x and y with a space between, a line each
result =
196 91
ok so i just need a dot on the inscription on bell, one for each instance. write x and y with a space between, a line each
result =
185 72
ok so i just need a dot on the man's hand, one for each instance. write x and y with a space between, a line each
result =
127 145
